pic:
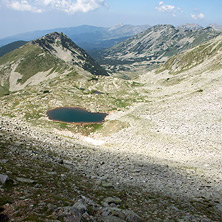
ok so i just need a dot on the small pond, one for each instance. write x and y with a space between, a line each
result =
75 115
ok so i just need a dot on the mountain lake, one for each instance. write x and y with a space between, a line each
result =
75 115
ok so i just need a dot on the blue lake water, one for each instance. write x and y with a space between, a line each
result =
75 115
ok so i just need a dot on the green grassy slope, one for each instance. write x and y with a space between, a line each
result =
31 59
209 51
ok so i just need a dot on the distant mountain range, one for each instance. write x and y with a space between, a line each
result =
87 37
91 38
153 47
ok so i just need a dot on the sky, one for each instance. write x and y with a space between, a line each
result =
19 16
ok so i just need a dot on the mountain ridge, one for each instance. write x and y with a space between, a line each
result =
50 56
153 47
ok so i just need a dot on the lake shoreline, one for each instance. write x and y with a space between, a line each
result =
79 109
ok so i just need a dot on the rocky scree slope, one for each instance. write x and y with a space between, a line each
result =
153 47
35 172
45 58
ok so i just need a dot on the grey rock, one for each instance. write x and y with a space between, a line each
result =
51 206
52 173
113 211
80 206
131 216
219 207
75 213
188 219
112 219
60 161
4 178
90 202
3 161
110 200
86 216
126 215
107 185
70 211
72 218
25 180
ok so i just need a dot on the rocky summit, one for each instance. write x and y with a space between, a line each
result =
62 47
45 58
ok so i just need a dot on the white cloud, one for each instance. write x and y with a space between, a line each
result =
82 5
201 15
165 8
198 16
23 5
69 6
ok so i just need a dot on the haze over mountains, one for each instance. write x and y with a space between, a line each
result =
92 38
88 37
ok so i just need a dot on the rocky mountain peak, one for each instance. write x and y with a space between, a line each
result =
59 45
190 26
216 26
52 41
54 36
161 27
115 27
